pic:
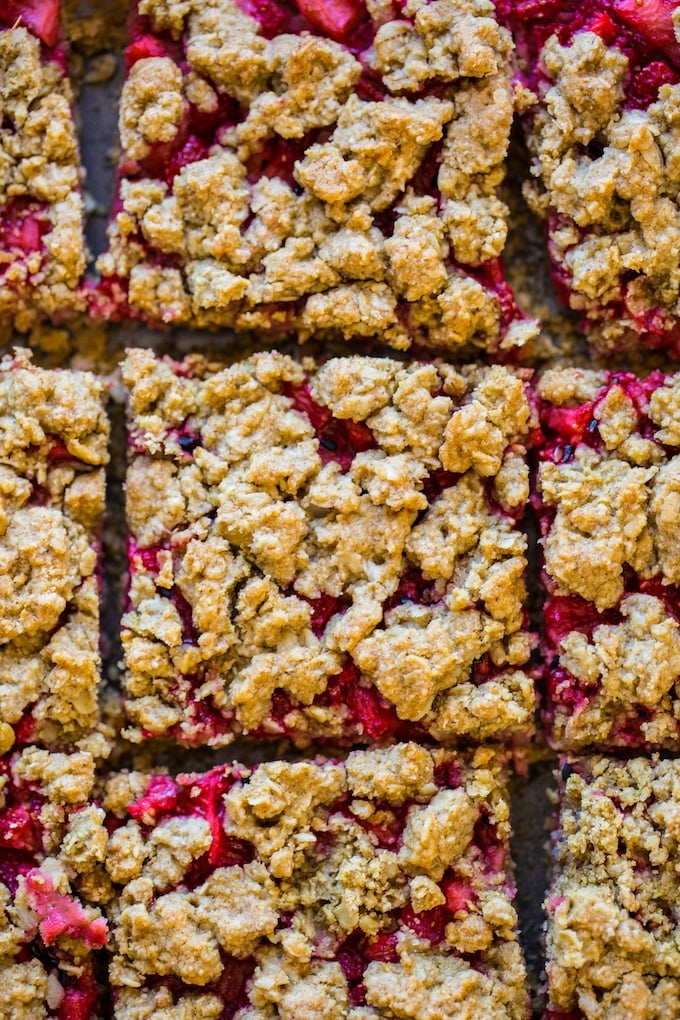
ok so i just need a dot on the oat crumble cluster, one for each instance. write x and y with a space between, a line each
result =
328 169
42 245
608 495
613 932
603 131
326 551
369 889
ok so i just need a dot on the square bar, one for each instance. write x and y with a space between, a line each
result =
607 498
53 448
42 243
613 907
52 850
326 552
602 91
316 890
329 169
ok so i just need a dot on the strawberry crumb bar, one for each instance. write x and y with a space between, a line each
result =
603 115
613 929
325 168
42 245
53 448
52 849
607 496
326 552
367 889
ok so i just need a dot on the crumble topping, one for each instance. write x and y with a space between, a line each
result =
322 883
634 662
607 493
43 249
600 524
152 105
53 448
437 835
260 495
293 182
23 990
603 137
392 774
426 987
612 938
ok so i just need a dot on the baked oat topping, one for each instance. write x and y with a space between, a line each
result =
331 171
603 134
317 889
612 915
606 496
326 552
53 448
42 245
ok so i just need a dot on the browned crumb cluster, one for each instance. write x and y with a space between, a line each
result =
353 890
53 448
613 907
297 532
42 245
312 209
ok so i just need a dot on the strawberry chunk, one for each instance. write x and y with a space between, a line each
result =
62 915
653 19
79 1003
143 47
41 17
161 796
459 894
18 830
335 18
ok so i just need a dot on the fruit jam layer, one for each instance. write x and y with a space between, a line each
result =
40 17
643 31
202 796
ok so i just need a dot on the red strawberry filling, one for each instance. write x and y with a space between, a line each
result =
23 224
19 829
339 439
653 20
62 915
345 21
41 17
80 1002
335 18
